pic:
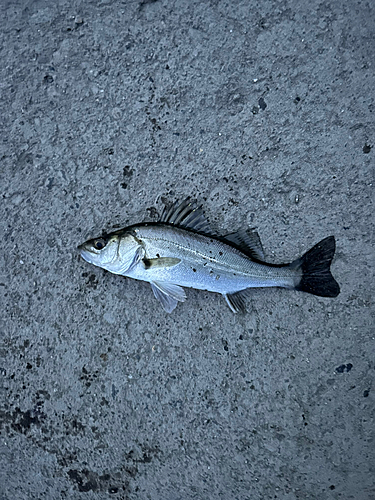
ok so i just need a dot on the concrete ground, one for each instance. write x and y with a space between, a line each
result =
263 111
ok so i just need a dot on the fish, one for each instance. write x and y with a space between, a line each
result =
181 251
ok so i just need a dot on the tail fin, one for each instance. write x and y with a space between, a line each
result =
315 267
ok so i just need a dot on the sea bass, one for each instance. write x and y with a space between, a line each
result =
181 251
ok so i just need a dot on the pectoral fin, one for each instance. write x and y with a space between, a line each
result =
168 294
160 262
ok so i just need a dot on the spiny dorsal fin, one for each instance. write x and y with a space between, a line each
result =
186 214
248 241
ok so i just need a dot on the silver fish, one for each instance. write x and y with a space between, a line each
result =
181 251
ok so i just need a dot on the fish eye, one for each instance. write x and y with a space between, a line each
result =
100 243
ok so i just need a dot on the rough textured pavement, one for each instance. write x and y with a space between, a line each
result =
264 112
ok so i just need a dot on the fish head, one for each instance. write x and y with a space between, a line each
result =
115 252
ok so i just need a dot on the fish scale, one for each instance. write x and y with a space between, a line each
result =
218 266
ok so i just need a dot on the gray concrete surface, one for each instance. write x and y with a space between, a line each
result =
263 111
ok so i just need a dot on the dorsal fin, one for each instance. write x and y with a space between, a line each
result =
248 241
186 214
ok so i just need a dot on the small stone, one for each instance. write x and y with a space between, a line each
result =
108 317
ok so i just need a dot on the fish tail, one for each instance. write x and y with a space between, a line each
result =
316 277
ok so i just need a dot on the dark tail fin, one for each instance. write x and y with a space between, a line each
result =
315 266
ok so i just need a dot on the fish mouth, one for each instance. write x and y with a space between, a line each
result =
85 254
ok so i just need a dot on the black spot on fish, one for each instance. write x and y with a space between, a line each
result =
147 263
194 270
366 148
220 253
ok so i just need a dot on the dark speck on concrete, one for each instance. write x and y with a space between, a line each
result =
366 148
366 393
84 480
48 79
23 421
262 104
152 212
127 171
344 368
143 3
